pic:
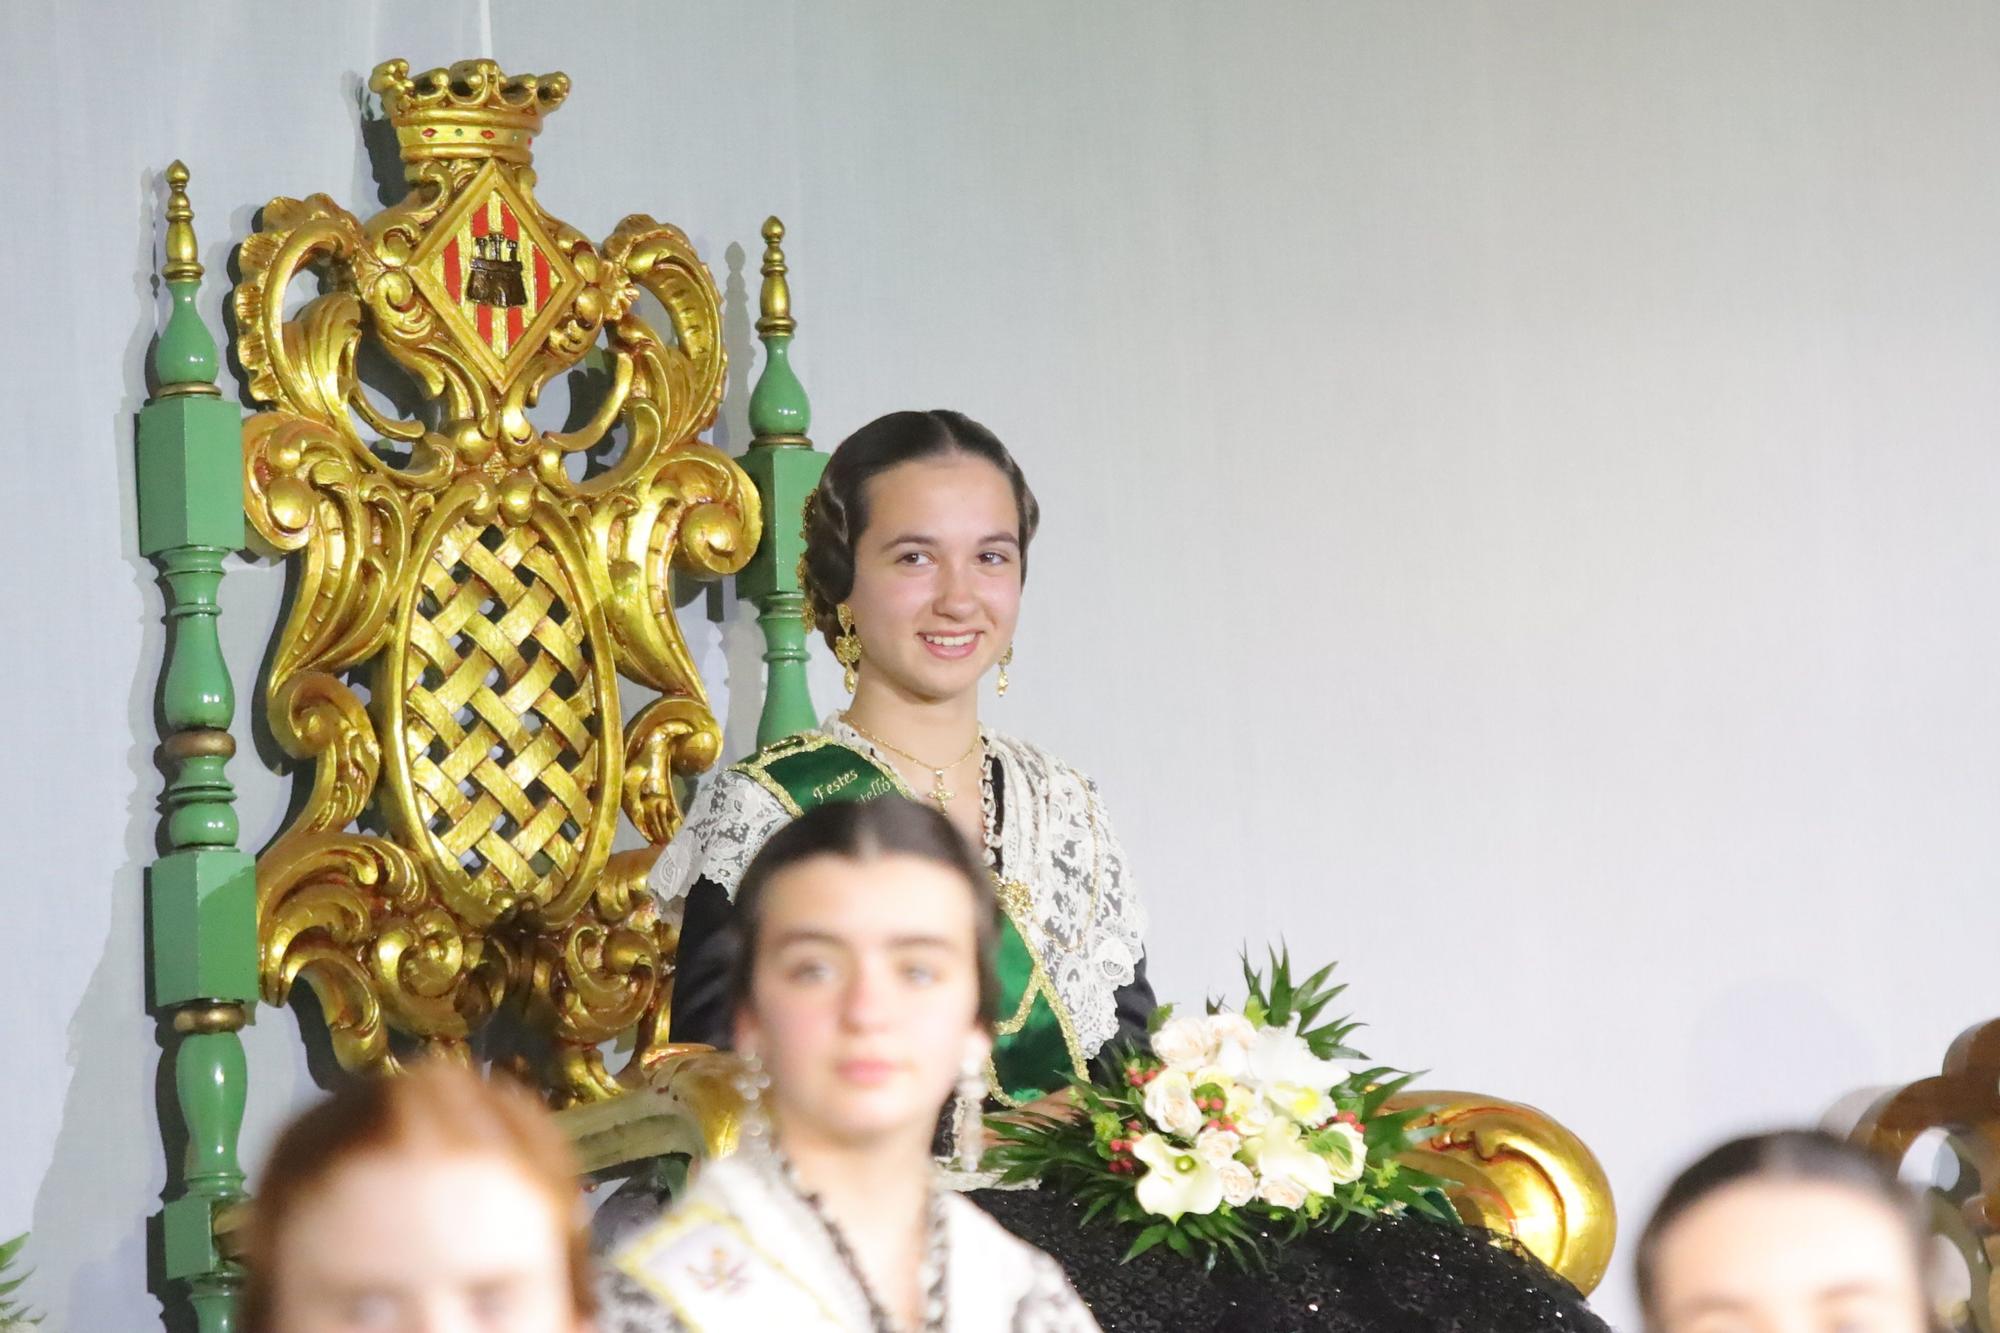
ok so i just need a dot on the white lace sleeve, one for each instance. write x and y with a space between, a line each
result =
726 825
1052 1305
1089 922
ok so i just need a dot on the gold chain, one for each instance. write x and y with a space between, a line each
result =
938 793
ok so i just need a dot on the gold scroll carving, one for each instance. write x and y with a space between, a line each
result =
1514 1170
454 853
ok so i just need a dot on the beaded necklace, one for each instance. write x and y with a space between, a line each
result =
932 1274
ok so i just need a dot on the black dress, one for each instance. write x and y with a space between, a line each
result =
1391 1276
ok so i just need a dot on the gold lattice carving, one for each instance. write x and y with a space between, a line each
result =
454 853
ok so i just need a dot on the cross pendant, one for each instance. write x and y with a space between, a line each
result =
941 793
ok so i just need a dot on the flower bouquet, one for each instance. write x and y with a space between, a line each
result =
1235 1125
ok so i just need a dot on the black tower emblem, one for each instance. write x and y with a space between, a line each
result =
495 278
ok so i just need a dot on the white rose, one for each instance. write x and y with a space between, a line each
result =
1183 1042
1170 1103
1230 1028
1217 1146
1282 1192
1230 1035
1239 1183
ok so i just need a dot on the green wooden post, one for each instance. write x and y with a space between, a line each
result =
785 467
202 894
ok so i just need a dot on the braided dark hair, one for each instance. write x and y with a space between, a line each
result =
1800 1156
836 513
863 831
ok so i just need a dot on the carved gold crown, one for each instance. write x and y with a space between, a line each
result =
471 110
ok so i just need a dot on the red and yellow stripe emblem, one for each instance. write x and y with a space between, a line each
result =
499 328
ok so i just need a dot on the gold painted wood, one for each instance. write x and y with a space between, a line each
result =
693 1107
1961 1104
1517 1171
454 854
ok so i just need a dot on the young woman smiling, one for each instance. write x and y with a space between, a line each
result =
917 543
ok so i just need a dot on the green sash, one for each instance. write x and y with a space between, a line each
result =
1034 1044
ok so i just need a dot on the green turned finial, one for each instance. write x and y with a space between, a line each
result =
779 413
786 468
184 359
201 896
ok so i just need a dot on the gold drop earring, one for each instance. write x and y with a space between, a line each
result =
847 647
1006 660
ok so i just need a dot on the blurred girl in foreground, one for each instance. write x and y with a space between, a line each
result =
428 1202
1791 1232
864 986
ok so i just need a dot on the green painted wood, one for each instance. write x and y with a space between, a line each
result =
786 468
190 474
788 705
195 691
185 352
203 909
201 895
785 475
778 405
187 1238
209 1078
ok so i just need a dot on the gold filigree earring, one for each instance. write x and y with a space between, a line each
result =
807 616
847 648
1006 660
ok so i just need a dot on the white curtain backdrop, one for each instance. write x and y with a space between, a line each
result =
1519 477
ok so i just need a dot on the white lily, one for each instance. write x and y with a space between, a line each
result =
1247 1110
1303 1105
1280 1155
1177 1180
1355 1146
1280 1056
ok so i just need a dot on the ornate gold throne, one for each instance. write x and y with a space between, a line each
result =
471 586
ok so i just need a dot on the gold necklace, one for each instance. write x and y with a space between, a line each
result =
939 793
